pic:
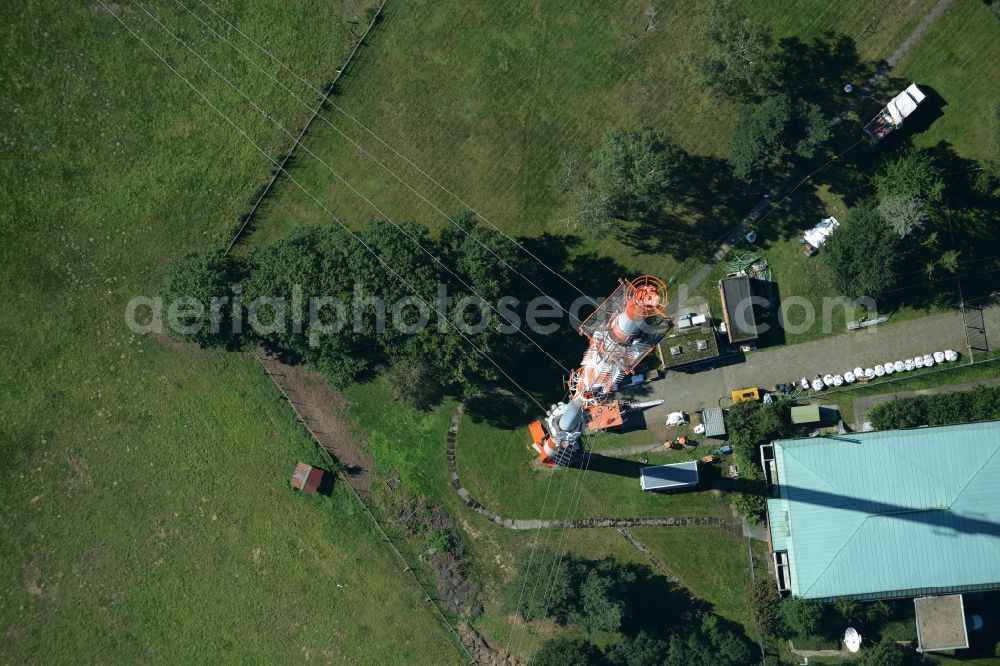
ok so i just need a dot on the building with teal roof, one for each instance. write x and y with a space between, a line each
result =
886 514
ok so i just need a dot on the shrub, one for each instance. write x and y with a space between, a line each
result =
849 610
415 382
886 652
750 505
801 616
751 500
765 606
566 652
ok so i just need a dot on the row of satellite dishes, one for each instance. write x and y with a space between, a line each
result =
880 370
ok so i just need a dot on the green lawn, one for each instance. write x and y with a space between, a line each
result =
710 562
473 97
498 468
963 72
145 500
492 101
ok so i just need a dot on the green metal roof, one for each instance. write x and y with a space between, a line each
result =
805 414
890 514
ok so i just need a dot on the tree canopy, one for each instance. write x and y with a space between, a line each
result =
639 171
864 256
567 652
203 279
352 333
752 423
915 173
905 214
736 59
766 135
587 593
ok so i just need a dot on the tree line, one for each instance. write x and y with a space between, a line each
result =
653 623
330 262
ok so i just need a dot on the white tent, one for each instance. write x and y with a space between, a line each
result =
818 234
905 103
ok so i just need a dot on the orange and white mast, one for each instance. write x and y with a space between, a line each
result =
622 331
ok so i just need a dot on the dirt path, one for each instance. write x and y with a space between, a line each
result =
324 413
918 32
733 237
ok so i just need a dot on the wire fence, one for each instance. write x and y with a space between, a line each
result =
305 128
407 568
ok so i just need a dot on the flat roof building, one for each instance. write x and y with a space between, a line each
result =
803 414
692 339
669 477
941 623
886 514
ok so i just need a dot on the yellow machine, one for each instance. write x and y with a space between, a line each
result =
743 395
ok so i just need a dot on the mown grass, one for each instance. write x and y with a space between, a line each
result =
710 562
963 72
145 498
491 102
498 468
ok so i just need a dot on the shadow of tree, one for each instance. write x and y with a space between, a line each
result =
816 71
712 202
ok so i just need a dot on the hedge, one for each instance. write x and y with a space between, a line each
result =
979 404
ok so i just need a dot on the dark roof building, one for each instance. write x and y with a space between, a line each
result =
737 308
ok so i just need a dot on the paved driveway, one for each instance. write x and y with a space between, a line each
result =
835 354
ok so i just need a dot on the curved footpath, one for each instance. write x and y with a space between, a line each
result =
531 524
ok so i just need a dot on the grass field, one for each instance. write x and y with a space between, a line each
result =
963 72
498 469
478 102
145 500
712 563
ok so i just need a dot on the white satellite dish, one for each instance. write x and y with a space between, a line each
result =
852 639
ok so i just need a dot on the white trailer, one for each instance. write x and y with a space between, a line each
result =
891 117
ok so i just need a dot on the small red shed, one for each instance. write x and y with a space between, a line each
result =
307 478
